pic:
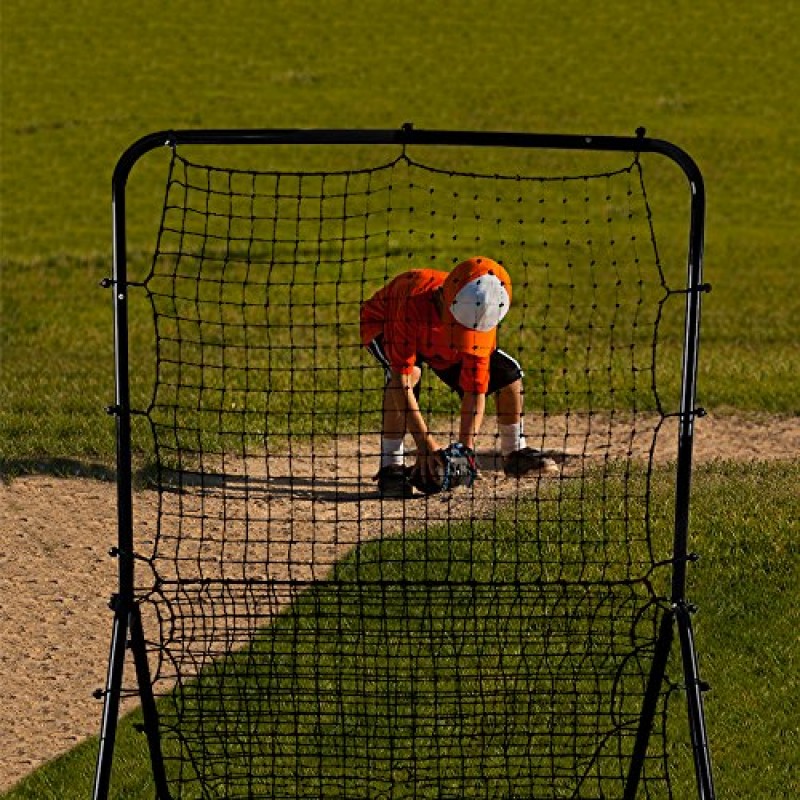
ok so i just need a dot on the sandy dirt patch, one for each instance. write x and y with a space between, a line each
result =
56 575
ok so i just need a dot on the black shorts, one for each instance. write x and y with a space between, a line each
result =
503 370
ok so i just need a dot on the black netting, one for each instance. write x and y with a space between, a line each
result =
308 638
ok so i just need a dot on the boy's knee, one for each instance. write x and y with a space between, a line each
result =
394 380
515 387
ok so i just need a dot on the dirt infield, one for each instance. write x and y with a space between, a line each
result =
56 575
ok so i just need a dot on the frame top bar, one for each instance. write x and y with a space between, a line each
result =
407 135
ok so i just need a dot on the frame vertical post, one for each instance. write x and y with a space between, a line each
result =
688 414
123 601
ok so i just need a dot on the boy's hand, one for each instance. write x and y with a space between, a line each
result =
428 470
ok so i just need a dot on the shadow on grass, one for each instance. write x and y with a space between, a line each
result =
144 475
55 467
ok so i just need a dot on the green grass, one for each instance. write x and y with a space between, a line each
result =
744 525
80 85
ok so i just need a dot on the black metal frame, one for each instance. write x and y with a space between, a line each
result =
126 616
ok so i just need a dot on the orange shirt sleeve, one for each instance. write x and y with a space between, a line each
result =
400 332
395 312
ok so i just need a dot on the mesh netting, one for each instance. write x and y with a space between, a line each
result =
308 638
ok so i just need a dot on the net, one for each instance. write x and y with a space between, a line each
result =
306 637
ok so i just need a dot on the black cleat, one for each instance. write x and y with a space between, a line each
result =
393 481
527 460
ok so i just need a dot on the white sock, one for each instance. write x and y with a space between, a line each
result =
391 452
511 438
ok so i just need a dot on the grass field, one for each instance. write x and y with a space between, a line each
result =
745 519
81 81
717 84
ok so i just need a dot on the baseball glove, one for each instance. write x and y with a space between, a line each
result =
459 468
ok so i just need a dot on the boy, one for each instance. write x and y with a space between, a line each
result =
448 321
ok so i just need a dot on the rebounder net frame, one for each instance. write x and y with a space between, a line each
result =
296 635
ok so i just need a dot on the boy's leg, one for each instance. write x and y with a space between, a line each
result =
510 417
394 422
392 476
506 382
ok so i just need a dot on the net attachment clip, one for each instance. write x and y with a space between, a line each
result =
686 606
701 288
406 127
703 686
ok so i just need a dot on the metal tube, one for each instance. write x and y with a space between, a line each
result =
694 702
688 413
123 601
